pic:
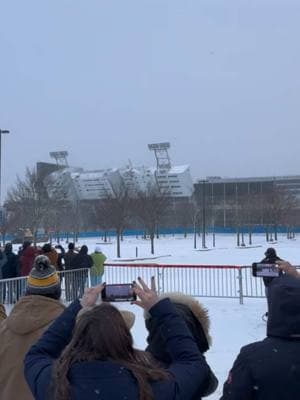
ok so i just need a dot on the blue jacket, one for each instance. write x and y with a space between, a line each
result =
109 380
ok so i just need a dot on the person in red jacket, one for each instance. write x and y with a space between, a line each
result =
27 257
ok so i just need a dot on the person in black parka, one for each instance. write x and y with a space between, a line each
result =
82 260
271 257
9 271
270 369
197 320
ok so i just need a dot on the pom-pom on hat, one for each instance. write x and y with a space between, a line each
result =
43 278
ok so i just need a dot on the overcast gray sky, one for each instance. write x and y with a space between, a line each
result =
219 79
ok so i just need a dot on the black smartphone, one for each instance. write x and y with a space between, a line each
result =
118 292
265 270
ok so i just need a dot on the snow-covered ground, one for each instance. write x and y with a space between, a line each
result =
232 325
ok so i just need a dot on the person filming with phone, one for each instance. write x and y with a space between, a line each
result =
94 358
270 369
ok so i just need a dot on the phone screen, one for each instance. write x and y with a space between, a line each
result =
118 292
265 270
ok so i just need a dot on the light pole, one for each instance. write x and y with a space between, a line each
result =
203 214
2 132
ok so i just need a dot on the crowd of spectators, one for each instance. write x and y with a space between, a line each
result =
85 350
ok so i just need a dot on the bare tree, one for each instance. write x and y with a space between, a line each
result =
114 209
150 205
102 217
185 212
8 223
28 201
277 206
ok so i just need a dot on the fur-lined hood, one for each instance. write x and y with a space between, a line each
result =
199 311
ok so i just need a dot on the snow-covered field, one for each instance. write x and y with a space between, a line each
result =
232 325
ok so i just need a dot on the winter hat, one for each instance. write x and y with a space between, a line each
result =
47 248
43 278
84 250
97 249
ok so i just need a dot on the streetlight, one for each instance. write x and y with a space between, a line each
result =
203 214
2 132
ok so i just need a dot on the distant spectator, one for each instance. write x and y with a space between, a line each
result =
31 315
51 253
97 269
60 260
9 271
69 256
70 281
27 256
82 260
10 268
270 369
3 260
270 258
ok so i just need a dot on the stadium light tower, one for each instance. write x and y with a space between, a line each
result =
161 155
2 132
60 157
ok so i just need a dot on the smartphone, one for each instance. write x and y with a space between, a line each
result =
265 270
118 292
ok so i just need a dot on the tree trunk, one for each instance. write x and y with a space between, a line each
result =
242 234
238 236
267 233
152 242
250 235
118 244
105 236
275 232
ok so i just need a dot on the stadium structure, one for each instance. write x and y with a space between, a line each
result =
226 197
63 182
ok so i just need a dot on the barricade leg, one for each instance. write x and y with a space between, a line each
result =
240 278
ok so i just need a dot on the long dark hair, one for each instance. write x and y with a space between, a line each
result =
101 334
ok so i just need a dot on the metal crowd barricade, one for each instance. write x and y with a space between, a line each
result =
73 283
224 281
195 280
252 286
